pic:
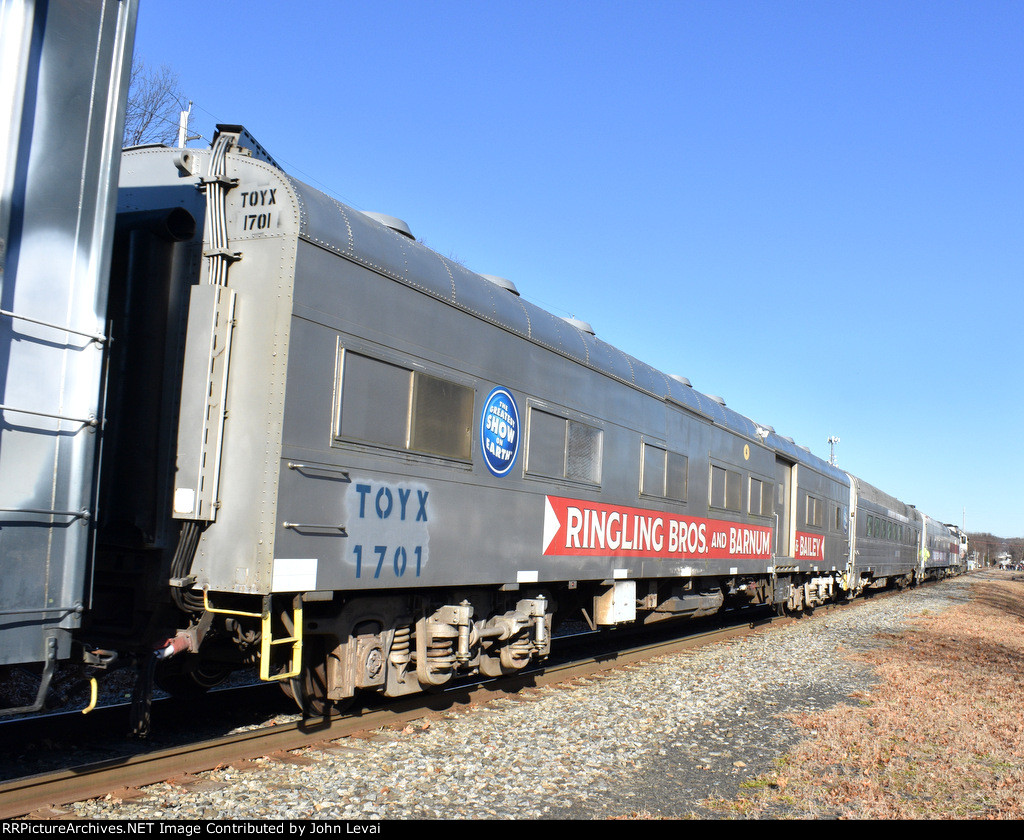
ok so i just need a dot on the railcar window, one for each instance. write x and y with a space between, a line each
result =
663 473
546 451
675 478
562 448
652 481
375 401
717 486
726 488
583 453
393 406
760 502
815 511
441 417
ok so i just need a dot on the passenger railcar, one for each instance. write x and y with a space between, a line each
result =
940 549
347 396
888 535
332 452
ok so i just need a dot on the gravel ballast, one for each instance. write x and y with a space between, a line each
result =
651 740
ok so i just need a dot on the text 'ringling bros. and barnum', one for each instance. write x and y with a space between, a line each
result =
589 529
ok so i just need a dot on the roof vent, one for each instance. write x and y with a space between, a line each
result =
583 326
716 399
507 285
681 379
397 225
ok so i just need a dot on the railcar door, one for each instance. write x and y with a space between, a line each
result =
783 507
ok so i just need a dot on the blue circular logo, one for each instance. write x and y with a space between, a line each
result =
499 431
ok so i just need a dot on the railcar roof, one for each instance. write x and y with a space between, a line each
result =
362 239
880 496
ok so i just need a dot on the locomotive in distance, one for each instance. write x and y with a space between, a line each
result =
333 453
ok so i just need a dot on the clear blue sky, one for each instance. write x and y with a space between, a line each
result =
813 209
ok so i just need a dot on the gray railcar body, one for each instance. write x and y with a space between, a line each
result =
887 534
940 548
339 284
64 82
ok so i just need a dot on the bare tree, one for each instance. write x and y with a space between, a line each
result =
154 105
987 545
1016 548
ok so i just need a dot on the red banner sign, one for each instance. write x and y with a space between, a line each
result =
809 546
590 529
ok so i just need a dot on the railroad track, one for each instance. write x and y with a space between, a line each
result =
34 795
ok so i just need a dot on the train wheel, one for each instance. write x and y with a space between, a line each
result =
309 689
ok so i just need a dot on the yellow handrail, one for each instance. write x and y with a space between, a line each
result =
266 636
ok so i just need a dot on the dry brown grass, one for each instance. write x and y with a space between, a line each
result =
941 736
